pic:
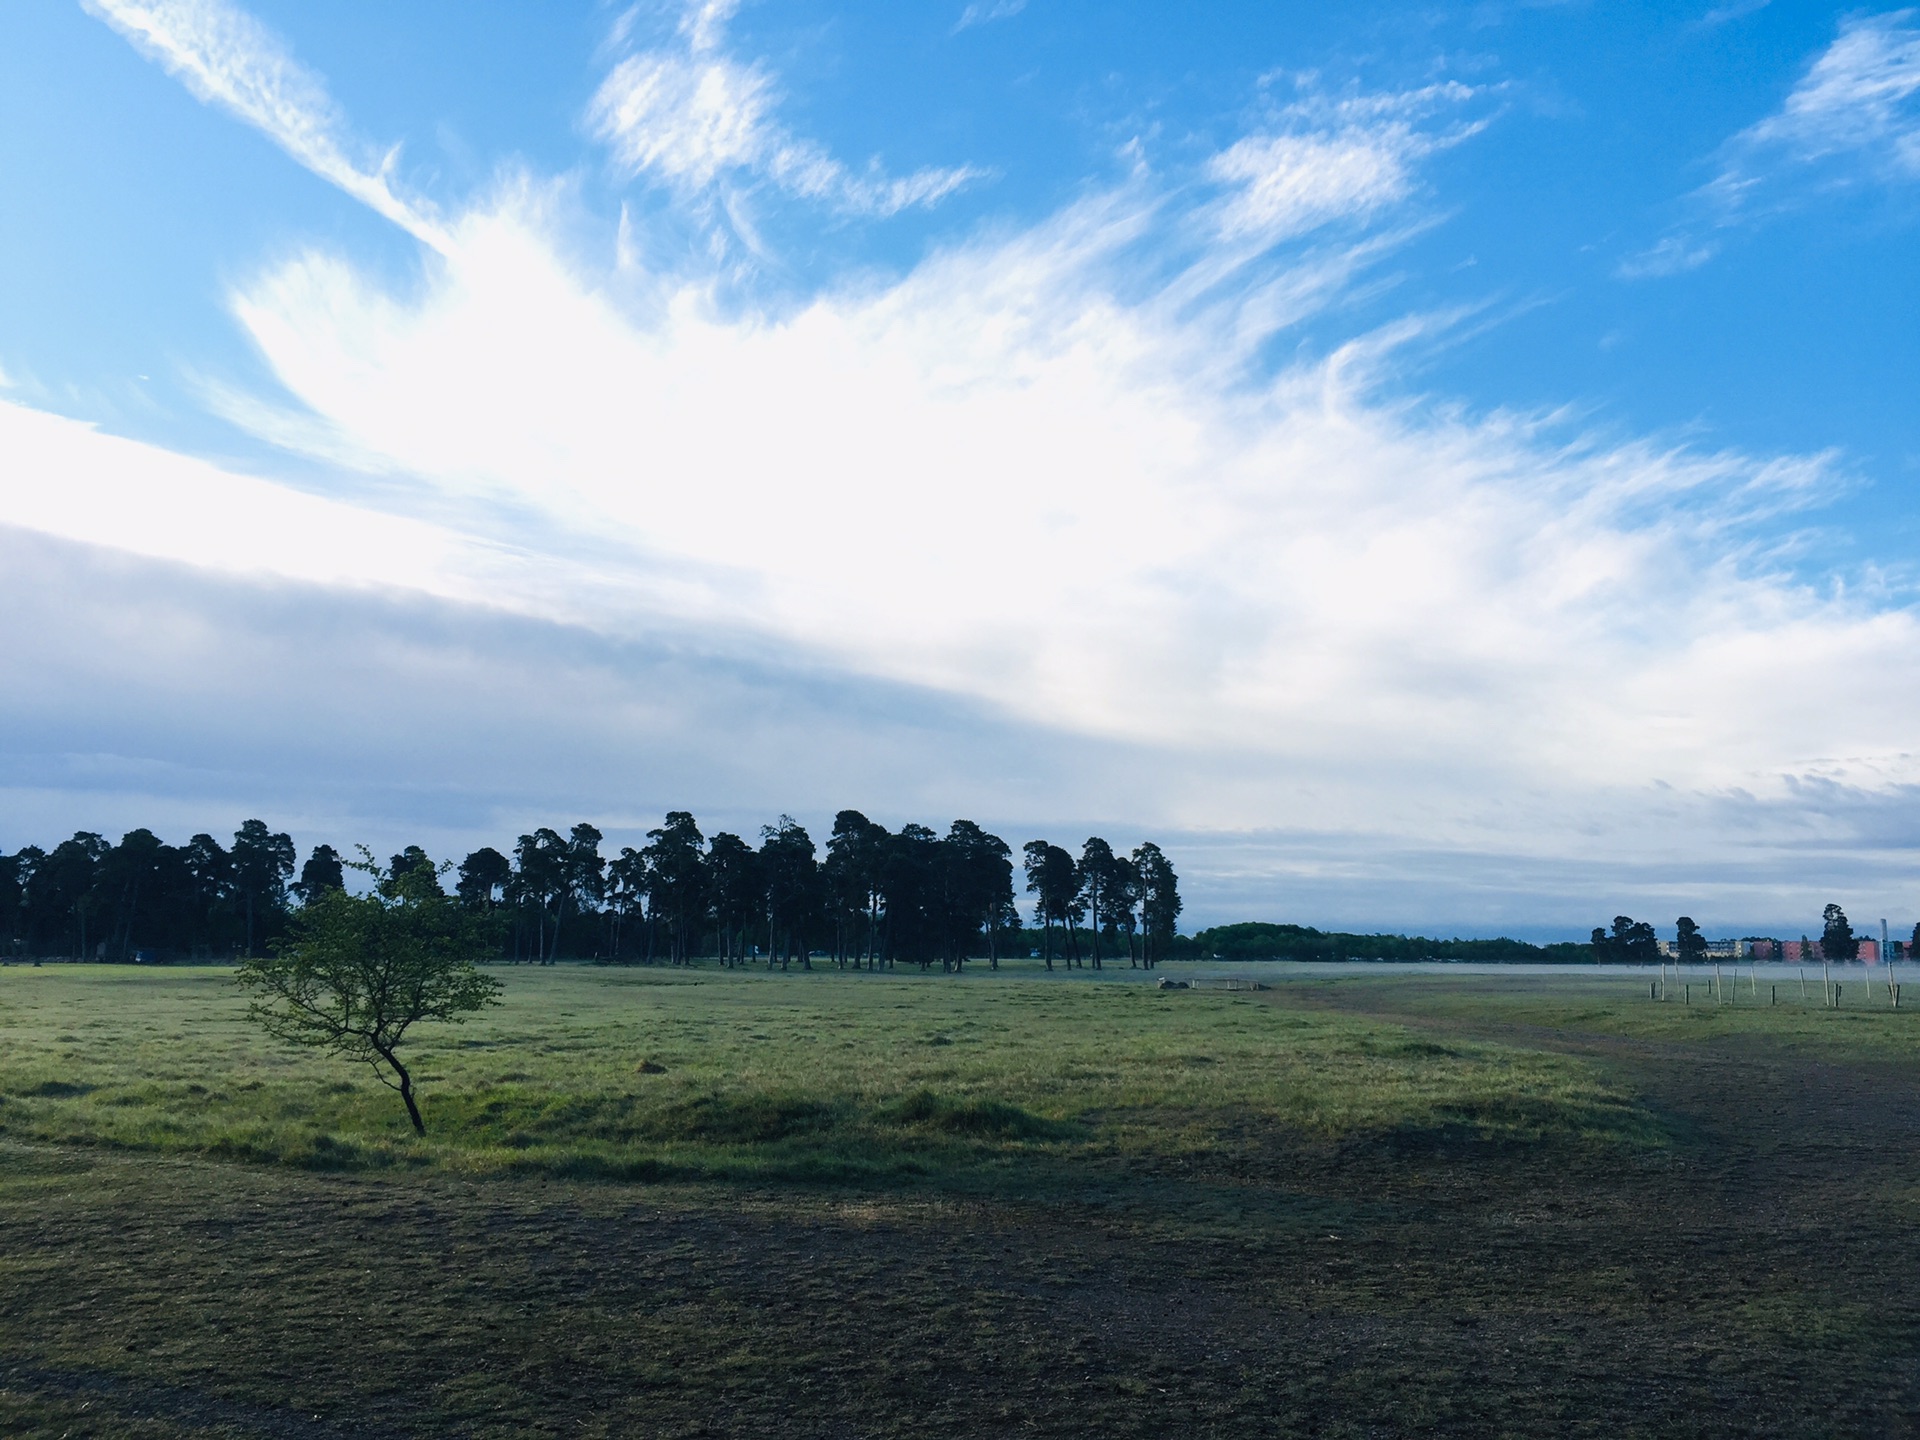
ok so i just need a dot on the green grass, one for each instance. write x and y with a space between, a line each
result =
1865 1027
673 1204
828 1076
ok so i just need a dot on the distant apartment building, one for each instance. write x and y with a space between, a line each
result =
1716 949
1787 951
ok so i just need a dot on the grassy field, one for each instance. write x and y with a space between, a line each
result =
696 1203
827 1076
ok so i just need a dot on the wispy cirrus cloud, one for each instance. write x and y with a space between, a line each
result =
692 116
1851 121
1728 13
1327 159
1858 103
985 12
1290 568
1673 255
228 58
1030 474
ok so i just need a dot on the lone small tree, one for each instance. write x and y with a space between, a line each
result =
1692 945
1837 940
1633 942
359 971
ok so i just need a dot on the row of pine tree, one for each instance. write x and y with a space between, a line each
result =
875 899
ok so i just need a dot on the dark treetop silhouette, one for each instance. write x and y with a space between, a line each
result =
875 899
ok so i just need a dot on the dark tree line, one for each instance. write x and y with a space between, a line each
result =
89 899
1257 940
873 900
1103 896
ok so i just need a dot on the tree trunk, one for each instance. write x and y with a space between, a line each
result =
406 1093
130 898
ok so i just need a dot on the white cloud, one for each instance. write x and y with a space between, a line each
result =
1725 14
1851 121
694 117
1331 160
682 119
1290 183
704 24
1857 98
985 12
997 479
1038 475
68 479
1674 255
228 58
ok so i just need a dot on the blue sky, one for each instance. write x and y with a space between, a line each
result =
1440 467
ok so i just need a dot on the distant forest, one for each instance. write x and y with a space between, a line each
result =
876 899
1255 940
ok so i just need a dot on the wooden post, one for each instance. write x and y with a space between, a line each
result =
1776 994
1803 982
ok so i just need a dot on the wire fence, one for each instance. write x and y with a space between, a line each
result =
1743 985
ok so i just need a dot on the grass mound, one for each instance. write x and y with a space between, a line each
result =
743 1119
926 1110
